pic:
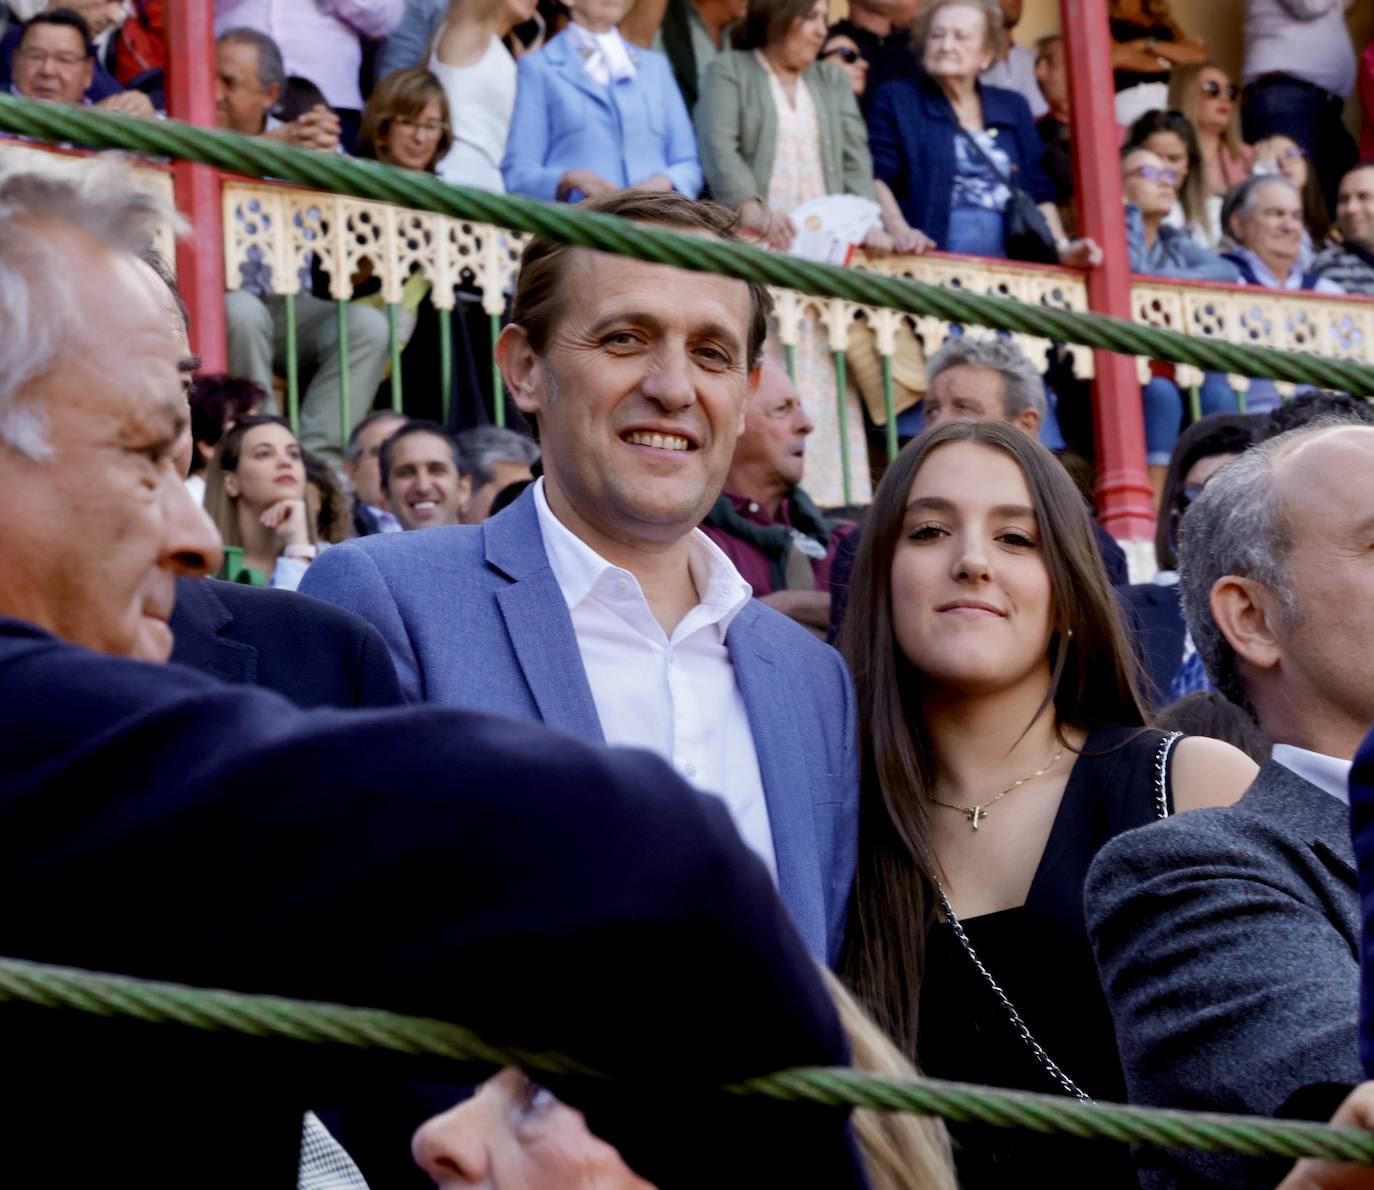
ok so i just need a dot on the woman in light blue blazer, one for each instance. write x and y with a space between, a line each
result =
594 114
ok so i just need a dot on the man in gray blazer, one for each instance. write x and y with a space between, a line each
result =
593 603
1228 939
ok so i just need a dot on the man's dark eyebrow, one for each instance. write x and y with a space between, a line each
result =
189 364
715 330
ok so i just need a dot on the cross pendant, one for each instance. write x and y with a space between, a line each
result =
975 815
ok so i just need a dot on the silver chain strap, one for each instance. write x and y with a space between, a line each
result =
1048 1064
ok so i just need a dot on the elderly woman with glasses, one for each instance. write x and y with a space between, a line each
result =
406 122
952 149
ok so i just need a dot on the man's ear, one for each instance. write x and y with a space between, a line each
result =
521 368
1028 421
751 388
1247 611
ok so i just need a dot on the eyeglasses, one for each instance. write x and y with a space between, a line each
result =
428 127
845 53
1157 173
38 57
1293 153
1213 88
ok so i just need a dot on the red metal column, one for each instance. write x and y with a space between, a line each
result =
191 97
1124 497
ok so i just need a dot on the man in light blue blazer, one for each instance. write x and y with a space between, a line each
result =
593 604
594 114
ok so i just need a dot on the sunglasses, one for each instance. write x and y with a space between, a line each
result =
1213 88
846 54
1155 173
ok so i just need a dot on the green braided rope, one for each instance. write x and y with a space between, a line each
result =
214 1010
256 157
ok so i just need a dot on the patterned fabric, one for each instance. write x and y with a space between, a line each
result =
975 184
797 178
1348 266
324 1163
1191 675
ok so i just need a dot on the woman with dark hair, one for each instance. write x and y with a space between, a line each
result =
217 402
255 493
1283 155
1002 743
1170 136
326 501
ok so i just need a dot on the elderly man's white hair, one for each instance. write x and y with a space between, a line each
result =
102 198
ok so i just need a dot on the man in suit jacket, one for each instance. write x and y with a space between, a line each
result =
593 603
311 653
1227 939
154 821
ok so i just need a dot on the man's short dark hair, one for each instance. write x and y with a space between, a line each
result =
271 67
417 425
353 452
63 18
1306 408
539 298
482 447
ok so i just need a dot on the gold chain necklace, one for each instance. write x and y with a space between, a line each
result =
975 814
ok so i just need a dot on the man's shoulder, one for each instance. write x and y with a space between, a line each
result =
1277 817
445 546
263 612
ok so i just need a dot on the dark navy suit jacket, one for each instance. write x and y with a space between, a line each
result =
548 893
474 617
1362 835
302 648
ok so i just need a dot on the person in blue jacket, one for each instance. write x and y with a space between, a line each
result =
594 114
920 129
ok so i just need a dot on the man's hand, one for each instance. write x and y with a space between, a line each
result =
592 185
317 129
288 520
1310 1174
658 182
130 103
811 609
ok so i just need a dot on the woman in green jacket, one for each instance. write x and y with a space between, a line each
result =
777 128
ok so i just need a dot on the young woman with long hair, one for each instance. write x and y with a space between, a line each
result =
255 493
1002 742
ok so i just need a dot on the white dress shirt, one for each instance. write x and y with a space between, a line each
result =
675 696
1325 772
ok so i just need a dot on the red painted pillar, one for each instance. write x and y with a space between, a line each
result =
1125 501
191 97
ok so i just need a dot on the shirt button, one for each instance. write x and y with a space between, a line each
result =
689 769
753 507
622 585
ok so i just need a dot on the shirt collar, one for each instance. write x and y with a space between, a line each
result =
1262 271
1328 773
579 569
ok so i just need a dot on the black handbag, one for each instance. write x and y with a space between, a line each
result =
1028 235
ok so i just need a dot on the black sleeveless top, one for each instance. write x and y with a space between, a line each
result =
1040 955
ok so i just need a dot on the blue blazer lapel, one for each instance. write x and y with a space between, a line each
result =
787 781
538 623
565 59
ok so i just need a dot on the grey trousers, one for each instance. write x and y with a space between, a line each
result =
257 347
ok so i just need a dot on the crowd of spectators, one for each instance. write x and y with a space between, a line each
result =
672 747
932 110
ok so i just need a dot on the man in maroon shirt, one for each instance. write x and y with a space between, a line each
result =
763 520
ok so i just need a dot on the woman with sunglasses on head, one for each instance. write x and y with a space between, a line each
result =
1207 96
1002 743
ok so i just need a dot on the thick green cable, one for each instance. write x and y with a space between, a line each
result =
219 1011
256 157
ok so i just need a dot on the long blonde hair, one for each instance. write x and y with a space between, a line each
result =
901 1151
1183 97
222 507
